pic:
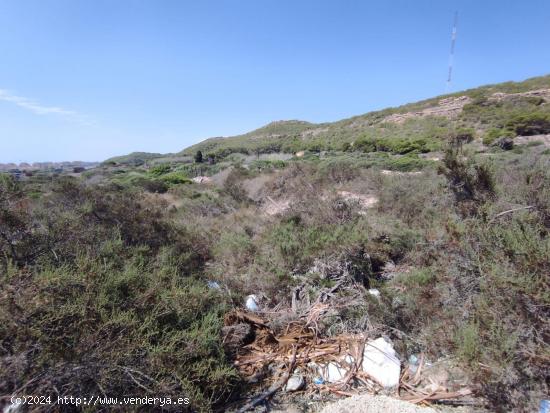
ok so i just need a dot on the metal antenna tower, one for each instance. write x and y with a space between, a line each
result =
451 56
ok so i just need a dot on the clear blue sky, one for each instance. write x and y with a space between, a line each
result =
89 79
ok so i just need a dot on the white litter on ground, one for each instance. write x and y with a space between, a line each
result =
374 292
295 382
252 303
333 372
381 363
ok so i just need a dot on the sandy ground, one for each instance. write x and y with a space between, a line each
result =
523 140
365 201
374 404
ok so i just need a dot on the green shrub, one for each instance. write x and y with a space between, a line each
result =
535 123
198 157
472 184
233 185
153 185
495 133
465 135
175 178
267 165
108 294
137 331
407 163
419 278
365 145
468 343
161 169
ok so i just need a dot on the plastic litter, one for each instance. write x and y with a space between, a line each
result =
381 363
413 363
252 303
214 285
333 372
295 382
374 292
318 381
336 364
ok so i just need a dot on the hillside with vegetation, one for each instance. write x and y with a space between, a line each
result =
426 224
490 111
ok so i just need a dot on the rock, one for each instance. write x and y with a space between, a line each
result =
505 144
381 363
295 382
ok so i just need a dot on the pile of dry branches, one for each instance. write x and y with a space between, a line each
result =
274 357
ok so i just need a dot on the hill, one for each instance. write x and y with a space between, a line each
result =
134 158
485 112
481 109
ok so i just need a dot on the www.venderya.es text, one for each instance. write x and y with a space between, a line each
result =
100 401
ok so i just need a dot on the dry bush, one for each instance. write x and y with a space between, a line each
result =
487 300
420 201
106 300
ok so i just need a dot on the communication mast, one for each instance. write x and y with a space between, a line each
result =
451 56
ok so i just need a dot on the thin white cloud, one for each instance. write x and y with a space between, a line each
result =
39 109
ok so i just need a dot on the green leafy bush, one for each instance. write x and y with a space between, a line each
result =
407 163
472 184
109 298
535 123
161 169
465 135
175 178
495 133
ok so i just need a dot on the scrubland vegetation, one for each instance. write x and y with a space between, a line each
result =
105 277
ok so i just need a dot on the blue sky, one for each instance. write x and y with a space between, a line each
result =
89 79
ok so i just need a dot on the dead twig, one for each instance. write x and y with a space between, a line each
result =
273 389
437 396
509 211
